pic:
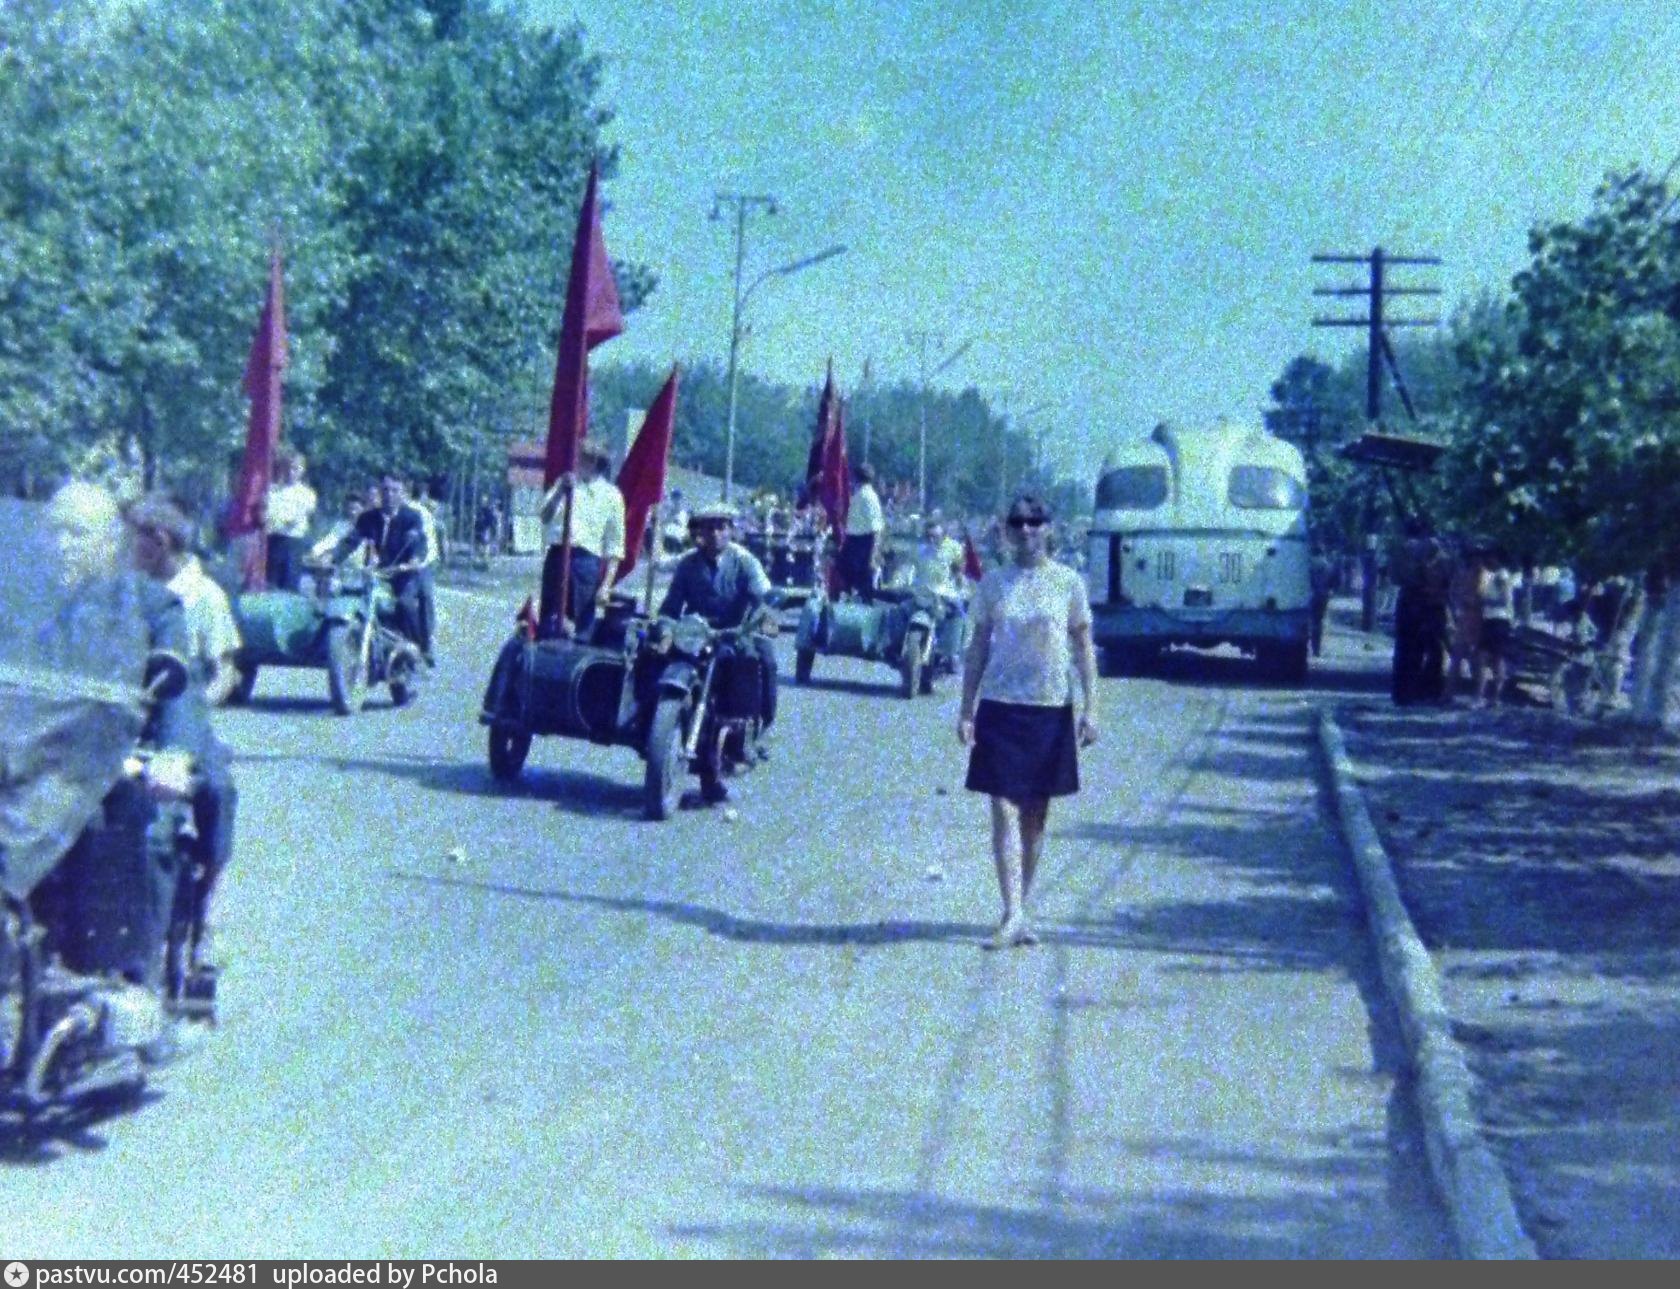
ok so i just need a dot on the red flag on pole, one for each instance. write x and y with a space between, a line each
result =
825 427
592 316
973 568
834 484
642 477
264 369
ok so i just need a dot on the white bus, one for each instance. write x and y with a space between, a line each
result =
1199 537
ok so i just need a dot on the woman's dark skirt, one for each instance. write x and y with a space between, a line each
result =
1022 752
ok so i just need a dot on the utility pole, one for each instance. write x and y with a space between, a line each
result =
922 341
1381 352
744 204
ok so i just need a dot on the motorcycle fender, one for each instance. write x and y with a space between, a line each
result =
678 678
921 620
344 612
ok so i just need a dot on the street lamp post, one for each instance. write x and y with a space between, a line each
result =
745 203
922 340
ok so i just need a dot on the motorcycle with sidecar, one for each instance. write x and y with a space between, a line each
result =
347 624
792 560
101 889
920 633
687 696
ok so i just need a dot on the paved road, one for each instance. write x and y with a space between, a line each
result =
768 1035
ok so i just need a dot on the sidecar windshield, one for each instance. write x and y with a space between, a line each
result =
72 657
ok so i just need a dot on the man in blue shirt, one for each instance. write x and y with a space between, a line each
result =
724 583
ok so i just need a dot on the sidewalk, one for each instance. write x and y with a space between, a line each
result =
1540 859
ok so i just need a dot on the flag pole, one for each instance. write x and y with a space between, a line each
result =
566 560
653 545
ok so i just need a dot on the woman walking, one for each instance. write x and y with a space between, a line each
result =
1032 625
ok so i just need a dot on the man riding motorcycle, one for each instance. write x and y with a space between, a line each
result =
724 583
397 535
101 600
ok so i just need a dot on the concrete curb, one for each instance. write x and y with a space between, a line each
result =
1471 1182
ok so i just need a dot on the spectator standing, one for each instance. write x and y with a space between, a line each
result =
1464 598
1498 590
1031 627
1422 571
1321 573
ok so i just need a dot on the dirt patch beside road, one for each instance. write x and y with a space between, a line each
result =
1540 859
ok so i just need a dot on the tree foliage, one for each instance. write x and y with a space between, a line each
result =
1567 438
974 454
420 162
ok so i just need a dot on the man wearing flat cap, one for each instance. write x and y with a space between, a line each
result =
723 582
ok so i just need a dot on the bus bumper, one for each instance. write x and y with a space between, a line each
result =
1120 625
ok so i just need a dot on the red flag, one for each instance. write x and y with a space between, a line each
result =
973 568
592 316
834 485
642 477
825 427
525 621
263 371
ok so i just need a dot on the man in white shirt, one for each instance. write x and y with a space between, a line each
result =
161 538
286 516
597 523
860 552
425 585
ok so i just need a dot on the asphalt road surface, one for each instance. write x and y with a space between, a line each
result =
466 1021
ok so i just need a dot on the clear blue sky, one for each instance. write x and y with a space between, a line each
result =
1115 199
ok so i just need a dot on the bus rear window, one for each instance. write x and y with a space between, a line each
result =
1260 487
1136 487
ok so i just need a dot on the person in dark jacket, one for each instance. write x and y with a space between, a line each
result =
397 534
1423 573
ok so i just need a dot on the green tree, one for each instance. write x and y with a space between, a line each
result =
1567 437
460 200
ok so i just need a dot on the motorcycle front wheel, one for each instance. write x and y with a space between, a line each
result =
403 680
346 677
910 663
666 762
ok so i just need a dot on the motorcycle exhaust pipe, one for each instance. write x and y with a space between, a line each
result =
79 1022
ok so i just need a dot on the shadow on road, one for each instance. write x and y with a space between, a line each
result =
727 925
1195 669
1318 1208
40 1141
578 792
886 687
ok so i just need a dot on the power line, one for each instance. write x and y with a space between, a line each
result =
1498 59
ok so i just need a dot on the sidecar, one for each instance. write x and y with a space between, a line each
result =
327 629
567 687
918 634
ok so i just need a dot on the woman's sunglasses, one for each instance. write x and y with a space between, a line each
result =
1025 521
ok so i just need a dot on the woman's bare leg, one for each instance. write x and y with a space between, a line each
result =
1034 815
1007 857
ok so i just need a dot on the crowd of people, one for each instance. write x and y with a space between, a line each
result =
1457 610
